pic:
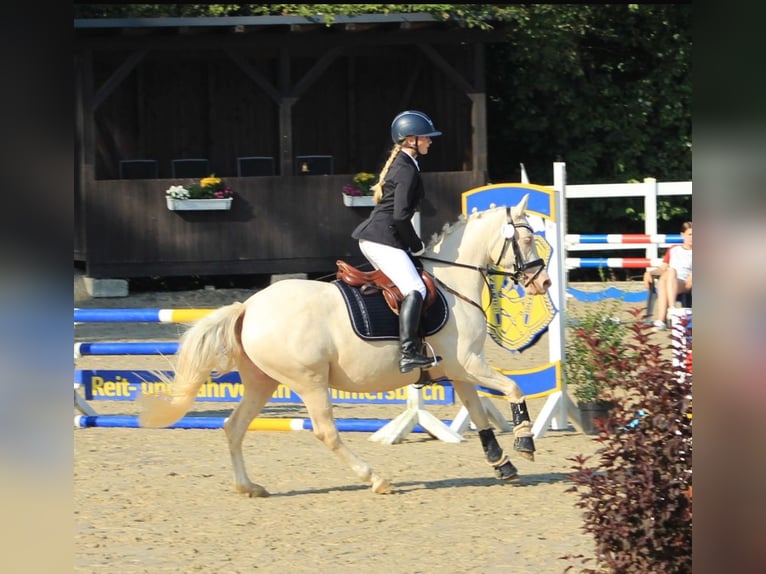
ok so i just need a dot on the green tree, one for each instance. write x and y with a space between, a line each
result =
606 88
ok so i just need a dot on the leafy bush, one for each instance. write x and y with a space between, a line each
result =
637 498
594 348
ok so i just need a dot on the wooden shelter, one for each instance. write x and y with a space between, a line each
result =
274 87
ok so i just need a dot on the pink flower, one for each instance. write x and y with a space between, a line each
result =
351 190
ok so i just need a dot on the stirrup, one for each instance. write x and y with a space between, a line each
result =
436 358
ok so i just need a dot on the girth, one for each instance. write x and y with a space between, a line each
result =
369 281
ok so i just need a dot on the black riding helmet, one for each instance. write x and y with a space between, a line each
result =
412 123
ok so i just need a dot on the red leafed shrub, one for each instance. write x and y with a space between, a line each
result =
636 494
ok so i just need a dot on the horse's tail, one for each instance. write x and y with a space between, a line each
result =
211 345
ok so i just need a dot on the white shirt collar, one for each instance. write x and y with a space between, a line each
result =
415 161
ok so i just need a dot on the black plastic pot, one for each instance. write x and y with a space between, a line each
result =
590 412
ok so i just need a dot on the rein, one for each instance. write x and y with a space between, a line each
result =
509 235
485 273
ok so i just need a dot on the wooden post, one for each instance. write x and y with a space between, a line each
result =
286 135
479 118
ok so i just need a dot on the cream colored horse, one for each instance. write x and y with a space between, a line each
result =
298 332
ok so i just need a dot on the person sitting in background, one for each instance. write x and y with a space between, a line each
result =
675 277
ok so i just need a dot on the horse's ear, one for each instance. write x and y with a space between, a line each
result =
521 207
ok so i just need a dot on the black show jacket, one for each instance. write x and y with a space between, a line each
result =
390 221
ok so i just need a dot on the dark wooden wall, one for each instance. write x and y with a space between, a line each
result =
276 89
201 104
276 225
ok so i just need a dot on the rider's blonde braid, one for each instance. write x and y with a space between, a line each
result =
378 187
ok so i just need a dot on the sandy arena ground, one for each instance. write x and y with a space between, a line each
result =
162 501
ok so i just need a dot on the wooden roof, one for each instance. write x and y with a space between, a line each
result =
359 29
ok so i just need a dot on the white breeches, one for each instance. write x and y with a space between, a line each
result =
396 264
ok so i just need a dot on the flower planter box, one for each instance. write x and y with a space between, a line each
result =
357 200
198 204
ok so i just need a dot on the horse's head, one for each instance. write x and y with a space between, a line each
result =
516 249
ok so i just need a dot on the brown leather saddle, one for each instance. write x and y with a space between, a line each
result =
370 281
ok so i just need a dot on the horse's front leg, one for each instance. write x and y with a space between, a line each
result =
483 374
503 466
319 407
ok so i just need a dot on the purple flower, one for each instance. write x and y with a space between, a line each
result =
223 193
351 190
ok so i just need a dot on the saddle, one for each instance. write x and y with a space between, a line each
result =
371 281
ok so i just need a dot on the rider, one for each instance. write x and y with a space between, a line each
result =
387 237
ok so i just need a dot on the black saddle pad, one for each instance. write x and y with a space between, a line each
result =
372 319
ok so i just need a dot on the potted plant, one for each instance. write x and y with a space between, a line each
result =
595 349
208 193
359 193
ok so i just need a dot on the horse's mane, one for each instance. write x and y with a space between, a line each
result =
462 221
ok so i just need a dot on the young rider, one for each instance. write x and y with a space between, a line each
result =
387 237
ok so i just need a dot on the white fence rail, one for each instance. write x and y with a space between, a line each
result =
650 189
558 406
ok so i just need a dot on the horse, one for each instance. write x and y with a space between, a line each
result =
298 332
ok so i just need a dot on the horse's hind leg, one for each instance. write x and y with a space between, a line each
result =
258 389
319 407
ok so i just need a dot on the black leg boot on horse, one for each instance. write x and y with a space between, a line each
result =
500 462
524 444
410 343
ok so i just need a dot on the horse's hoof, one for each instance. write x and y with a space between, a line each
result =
381 486
525 445
530 456
259 493
506 471
254 491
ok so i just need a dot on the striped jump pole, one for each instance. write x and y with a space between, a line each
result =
257 424
612 262
623 238
139 315
126 348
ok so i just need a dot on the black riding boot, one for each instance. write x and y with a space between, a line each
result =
409 339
